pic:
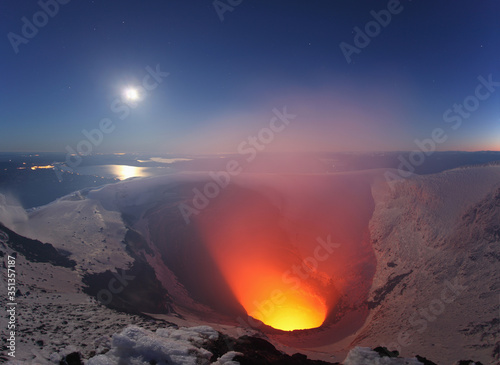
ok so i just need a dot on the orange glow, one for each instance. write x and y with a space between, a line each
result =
255 257
266 296
291 310
42 167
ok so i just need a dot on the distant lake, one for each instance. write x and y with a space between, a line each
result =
122 172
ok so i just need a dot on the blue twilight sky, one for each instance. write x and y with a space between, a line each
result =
226 76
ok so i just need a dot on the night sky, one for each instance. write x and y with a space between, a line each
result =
227 70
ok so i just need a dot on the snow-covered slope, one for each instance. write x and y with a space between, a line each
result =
426 257
94 235
436 290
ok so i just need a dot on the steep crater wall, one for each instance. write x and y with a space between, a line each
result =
267 240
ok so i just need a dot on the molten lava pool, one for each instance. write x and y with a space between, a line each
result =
288 309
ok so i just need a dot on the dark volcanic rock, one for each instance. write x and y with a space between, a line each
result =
384 352
36 251
134 290
381 293
257 351
424 361
72 359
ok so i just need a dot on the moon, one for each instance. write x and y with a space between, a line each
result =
131 94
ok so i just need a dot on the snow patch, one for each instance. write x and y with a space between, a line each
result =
138 346
227 358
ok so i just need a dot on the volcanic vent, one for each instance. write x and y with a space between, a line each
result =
291 252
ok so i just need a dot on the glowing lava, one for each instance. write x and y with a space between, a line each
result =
256 258
291 310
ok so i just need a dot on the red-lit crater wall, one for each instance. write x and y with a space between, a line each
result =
293 247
